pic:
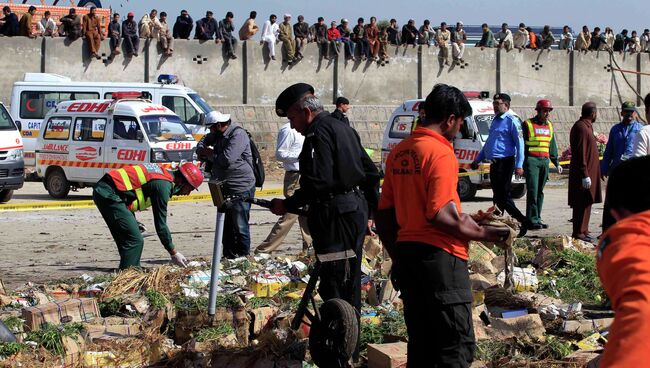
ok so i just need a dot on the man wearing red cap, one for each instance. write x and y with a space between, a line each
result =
540 148
130 35
123 191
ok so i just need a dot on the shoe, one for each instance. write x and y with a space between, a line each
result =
233 56
586 238
523 229
544 226
537 227
272 57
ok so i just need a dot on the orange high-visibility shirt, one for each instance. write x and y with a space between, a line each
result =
624 270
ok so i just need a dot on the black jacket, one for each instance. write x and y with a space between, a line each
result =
10 28
339 115
183 27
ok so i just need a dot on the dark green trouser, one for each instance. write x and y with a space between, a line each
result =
536 172
122 224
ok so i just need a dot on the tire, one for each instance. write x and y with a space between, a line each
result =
466 189
518 191
332 341
57 184
5 195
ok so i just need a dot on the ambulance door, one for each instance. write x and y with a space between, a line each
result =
126 143
87 148
185 109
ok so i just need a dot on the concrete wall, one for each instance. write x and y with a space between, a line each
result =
368 83
529 75
19 56
476 74
72 59
595 81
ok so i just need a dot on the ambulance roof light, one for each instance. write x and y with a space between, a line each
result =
125 95
167 79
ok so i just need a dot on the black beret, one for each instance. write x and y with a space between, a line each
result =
502 96
289 96
342 100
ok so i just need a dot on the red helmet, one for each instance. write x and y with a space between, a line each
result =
544 104
192 174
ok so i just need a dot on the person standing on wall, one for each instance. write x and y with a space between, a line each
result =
339 183
584 171
505 150
620 147
420 210
288 148
135 188
540 149
92 32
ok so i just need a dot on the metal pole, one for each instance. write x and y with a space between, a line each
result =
216 261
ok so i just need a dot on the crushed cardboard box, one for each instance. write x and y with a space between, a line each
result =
71 310
526 328
387 355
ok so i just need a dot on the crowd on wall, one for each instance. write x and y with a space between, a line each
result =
365 40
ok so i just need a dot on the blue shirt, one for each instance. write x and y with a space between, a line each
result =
504 140
620 145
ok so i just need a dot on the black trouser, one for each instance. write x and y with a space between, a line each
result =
501 172
336 225
608 219
435 288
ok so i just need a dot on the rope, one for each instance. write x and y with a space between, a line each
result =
613 61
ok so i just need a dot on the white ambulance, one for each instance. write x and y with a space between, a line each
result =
33 97
12 168
82 140
467 145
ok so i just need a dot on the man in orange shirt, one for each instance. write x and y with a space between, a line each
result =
431 249
624 265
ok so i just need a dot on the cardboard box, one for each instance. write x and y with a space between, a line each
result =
71 310
262 317
525 328
74 348
587 325
266 285
387 355
112 326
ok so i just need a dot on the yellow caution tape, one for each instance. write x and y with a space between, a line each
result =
69 205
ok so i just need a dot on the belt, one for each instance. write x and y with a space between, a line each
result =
329 196
293 171
336 256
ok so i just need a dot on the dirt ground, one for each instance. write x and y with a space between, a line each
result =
48 245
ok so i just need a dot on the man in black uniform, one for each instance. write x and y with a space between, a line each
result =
339 182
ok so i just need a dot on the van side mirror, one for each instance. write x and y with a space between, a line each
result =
19 126
139 136
201 118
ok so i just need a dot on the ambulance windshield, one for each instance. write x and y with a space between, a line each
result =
483 122
162 128
5 120
201 102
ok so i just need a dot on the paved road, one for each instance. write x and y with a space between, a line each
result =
50 244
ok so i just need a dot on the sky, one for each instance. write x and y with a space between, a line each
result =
633 15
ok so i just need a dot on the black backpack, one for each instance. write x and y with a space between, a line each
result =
258 165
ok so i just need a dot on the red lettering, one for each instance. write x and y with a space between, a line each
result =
179 146
73 106
151 108
131 155
88 107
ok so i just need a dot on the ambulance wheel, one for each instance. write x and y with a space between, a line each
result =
5 195
518 191
333 339
56 183
466 190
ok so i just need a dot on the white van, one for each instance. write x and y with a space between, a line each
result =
82 140
467 145
33 97
12 167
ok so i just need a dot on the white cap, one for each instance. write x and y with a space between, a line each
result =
287 15
214 117
460 22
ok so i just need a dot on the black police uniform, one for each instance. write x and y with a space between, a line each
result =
340 183
339 115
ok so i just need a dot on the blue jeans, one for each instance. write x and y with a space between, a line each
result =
236 232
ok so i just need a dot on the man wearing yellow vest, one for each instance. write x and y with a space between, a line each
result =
123 191
540 148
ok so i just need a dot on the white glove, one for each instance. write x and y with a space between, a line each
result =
179 260
559 169
586 183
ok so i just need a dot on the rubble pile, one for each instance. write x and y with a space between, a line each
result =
553 313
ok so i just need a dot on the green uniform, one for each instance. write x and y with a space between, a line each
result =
536 173
113 205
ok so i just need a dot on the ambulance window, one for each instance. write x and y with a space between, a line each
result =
5 120
401 126
58 128
181 107
89 129
483 123
465 129
125 127
34 105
